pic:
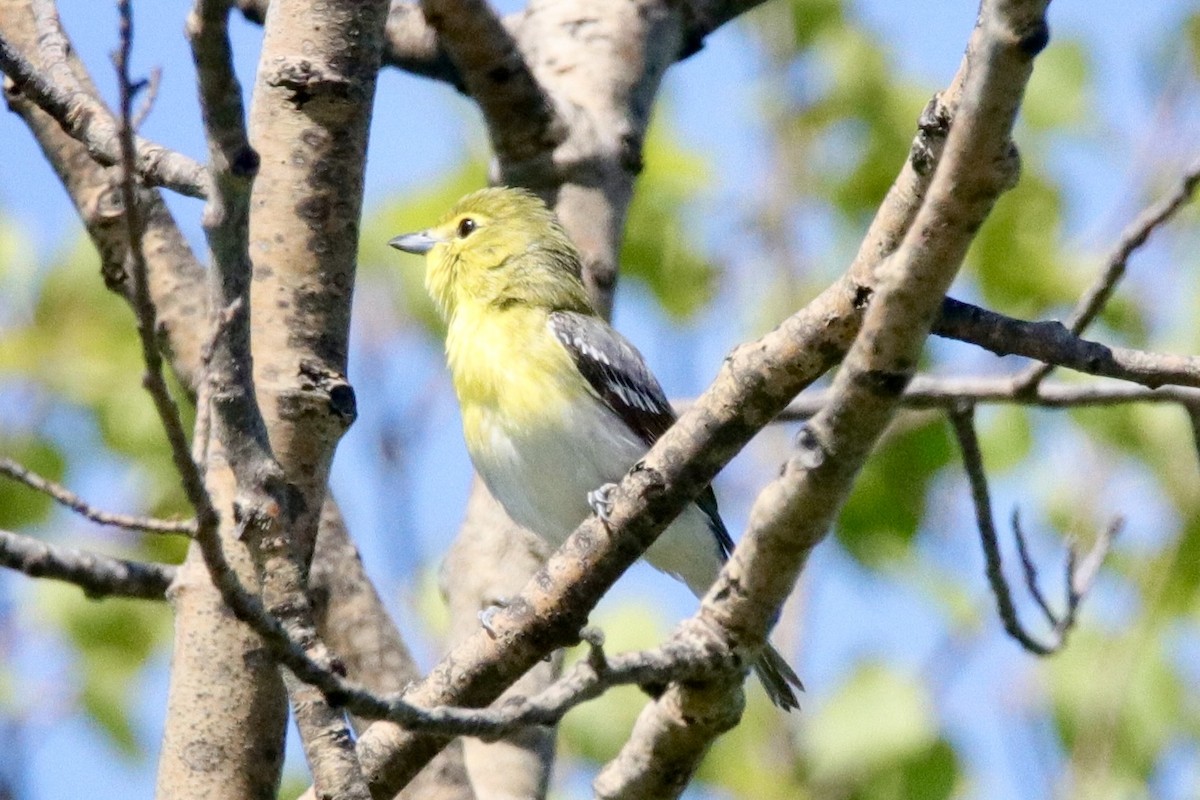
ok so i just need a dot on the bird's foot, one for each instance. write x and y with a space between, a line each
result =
601 502
488 614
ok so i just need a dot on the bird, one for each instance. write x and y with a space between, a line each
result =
557 406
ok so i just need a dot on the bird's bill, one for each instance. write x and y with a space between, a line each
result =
419 243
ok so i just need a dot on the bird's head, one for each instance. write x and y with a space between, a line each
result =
498 246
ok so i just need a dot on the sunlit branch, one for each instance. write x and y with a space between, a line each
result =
64 496
87 119
1132 238
98 575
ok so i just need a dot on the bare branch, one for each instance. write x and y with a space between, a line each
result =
1078 581
925 392
1052 343
248 716
1028 569
88 121
795 511
1132 238
269 515
98 575
410 44
756 382
521 118
143 304
66 497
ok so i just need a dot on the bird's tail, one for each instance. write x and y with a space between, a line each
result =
778 678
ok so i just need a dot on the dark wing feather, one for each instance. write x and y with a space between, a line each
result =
618 373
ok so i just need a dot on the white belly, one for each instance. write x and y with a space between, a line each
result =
542 478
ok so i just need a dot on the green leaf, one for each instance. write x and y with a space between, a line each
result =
878 719
1005 437
1057 92
884 511
95 362
813 18
1131 708
1017 256
112 639
659 250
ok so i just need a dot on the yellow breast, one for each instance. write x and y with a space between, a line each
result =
509 371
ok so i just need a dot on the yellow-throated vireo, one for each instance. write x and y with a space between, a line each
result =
555 403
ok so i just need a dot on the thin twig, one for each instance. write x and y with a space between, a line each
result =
66 497
928 392
1030 570
87 120
143 304
98 575
1132 238
151 94
1078 580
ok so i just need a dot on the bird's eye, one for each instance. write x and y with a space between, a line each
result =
465 226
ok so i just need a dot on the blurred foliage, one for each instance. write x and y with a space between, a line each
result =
20 506
95 363
76 347
112 641
659 250
837 119
884 512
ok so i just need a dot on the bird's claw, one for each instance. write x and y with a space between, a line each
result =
487 614
601 502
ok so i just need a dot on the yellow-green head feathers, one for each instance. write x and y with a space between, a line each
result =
499 247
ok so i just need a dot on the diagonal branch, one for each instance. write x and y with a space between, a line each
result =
64 496
793 514
98 575
756 382
925 392
520 115
1132 238
87 119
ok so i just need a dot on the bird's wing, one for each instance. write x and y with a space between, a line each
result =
619 375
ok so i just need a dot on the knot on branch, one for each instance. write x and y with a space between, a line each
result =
306 81
932 129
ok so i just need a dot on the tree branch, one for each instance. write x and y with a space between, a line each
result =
1078 582
794 512
925 392
86 119
270 504
410 43
143 305
64 496
756 382
247 717
98 575
1132 238
1052 343
520 114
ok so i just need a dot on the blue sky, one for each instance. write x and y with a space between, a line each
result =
421 129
